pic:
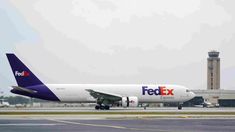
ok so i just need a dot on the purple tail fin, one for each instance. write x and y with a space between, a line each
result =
29 84
23 75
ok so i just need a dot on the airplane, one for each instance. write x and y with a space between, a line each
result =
3 103
105 95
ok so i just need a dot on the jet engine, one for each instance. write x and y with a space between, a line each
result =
131 101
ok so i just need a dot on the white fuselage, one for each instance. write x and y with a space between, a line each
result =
149 94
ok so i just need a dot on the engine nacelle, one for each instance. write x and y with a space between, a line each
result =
130 101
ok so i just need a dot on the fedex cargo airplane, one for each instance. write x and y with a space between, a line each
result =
105 95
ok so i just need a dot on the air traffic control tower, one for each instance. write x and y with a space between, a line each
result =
213 71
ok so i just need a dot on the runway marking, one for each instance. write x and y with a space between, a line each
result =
87 124
29 124
107 126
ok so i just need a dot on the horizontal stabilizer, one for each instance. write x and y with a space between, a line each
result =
24 89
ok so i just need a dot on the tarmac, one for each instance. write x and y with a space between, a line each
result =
124 120
117 109
120 125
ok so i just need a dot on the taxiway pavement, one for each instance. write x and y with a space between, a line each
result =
160 120
117 109
123 125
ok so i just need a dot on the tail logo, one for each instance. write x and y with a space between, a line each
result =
21 74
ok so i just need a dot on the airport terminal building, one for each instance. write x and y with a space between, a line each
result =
225 98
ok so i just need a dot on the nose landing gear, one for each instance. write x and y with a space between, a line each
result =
180 105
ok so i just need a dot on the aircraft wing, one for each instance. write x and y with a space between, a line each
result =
104 95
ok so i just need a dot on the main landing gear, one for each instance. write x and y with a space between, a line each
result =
102 107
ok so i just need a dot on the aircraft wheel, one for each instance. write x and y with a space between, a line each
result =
97 107
106 107
180 107
102 107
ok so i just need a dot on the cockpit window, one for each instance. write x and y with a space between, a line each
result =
187 90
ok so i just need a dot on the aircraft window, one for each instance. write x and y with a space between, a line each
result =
187 90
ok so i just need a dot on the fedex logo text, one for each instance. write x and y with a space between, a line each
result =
161 90
21 74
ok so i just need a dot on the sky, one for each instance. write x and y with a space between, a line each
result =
124 41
